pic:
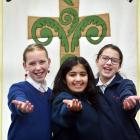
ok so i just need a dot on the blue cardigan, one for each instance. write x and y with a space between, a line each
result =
29 126
68 125
115 122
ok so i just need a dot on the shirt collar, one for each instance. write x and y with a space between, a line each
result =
36 84
105 84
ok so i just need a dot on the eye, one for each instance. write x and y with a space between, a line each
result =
115 60
42 62
72 74
32 63
105 57
83 74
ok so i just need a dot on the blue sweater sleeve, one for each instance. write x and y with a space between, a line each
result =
61 115
15 93
127 88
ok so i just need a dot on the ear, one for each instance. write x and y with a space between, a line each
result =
119 67
24 66
97 60
49 61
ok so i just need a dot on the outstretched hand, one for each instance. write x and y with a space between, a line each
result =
25 107
73 105
130 102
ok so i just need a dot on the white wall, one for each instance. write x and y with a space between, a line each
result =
123 33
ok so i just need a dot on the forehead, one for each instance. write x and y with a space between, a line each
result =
111 53
36 54
78 68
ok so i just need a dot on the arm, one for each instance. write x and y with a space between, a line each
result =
17 100
61 112
129 98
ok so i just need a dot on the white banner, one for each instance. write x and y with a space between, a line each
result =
123 29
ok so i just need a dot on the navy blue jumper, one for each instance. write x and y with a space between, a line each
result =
29 126
115 122
68 125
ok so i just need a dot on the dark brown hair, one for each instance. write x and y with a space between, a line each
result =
114 47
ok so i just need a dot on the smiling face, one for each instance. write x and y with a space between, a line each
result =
77 78
37 65
106 66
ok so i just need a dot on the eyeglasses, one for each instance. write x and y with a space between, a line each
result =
105 59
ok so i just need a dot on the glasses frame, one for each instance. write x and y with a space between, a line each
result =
105 59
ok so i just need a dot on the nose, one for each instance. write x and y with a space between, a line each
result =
109 62
38 66
78 78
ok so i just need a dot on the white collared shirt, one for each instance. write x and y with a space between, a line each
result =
37 85
104 85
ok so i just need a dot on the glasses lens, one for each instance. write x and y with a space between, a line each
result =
115 61
105 59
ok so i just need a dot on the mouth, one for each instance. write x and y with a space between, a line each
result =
39 74
79 85
107 69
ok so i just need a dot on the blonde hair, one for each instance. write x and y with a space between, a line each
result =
33 47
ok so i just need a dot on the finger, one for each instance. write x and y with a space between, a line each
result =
19 105
31 108
66 101
137 98
125 105
15 102
131 100
28 106
80 104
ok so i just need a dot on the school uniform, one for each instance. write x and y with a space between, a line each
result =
69 125
117 123
30 126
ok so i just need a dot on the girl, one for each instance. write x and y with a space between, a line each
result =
28 100
118 100
74 103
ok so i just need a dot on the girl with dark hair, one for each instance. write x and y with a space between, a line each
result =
117 99
74 103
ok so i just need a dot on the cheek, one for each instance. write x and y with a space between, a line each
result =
68 81
86 79
46 66
99 64
116 69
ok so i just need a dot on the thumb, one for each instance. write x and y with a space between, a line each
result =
137 98
66 101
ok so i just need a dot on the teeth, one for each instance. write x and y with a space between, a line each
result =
77 85
107 69
38 74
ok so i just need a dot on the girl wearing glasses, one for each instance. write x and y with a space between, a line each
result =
118 101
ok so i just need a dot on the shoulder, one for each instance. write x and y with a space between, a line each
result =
126 82
61 96
64 95
20 86
19 83
121 81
